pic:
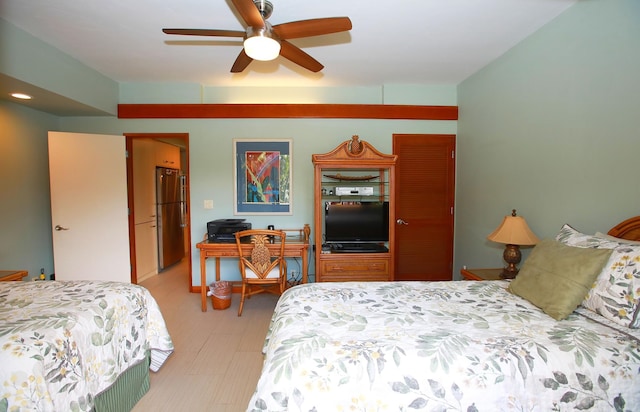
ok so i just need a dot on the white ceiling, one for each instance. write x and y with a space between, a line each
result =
392 42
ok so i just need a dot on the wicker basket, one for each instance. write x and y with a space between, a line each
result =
220 303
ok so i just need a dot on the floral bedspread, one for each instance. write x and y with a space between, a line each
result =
63 343
436 346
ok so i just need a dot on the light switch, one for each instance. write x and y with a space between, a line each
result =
208 204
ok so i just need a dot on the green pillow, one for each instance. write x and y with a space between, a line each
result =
556 277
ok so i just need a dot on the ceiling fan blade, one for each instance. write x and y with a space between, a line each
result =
296 55
205 32
241 63
312 27
249 12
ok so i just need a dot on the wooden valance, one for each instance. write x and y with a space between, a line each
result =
286 111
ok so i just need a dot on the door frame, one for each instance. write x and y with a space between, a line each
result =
132 237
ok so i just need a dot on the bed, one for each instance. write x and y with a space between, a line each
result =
465 345
78 345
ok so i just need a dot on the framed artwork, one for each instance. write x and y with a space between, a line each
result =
262 176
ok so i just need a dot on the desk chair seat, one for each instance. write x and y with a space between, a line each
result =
262 265
274 273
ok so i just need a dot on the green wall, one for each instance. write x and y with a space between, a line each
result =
25 215
211 160
552 129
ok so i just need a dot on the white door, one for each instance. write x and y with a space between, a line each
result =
89 212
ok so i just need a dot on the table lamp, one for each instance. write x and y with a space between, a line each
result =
513 232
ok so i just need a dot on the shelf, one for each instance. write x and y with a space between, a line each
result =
354 198
348 178
366 184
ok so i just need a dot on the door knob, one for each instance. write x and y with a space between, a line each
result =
59 228
401 222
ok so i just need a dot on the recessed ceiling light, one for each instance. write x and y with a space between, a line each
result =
21 96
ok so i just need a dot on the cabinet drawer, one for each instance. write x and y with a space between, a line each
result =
356 266
353 277
354 269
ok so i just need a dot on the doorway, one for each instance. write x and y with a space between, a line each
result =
424 192
143 234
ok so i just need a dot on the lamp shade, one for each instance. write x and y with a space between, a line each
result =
260 45
513 231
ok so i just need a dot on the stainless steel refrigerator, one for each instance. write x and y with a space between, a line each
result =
170 212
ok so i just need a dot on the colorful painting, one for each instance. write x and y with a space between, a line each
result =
262 176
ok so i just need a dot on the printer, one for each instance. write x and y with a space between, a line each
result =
223 230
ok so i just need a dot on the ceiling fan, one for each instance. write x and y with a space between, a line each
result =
262 41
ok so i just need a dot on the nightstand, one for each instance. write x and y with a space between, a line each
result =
12 275
481 274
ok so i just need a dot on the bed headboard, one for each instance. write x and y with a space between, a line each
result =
629 229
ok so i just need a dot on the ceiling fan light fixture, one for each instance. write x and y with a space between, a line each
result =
260 45
262 42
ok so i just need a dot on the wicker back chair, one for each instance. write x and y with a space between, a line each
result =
262 265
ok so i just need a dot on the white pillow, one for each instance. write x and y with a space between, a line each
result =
572 237
616 292
617 239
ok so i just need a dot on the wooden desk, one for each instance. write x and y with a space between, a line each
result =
295 246
10 275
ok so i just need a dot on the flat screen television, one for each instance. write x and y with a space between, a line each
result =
356 222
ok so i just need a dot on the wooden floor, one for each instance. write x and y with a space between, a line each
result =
217 358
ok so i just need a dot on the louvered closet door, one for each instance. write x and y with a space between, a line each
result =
425 188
